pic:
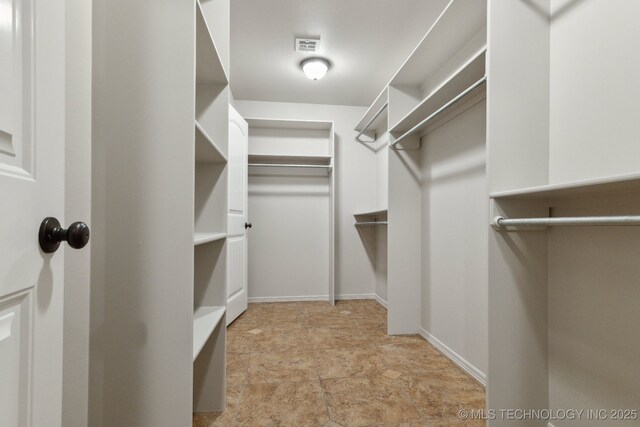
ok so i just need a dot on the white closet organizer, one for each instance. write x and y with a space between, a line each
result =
371 225
443 77
563 168
292 208
210 222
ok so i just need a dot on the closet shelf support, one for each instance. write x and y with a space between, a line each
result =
500 223
370 223
373 119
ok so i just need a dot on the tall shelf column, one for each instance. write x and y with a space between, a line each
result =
211 126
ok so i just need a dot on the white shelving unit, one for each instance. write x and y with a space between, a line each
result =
289 159
558 147
442 77
211 196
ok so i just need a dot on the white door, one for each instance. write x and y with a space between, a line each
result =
237 228
32 104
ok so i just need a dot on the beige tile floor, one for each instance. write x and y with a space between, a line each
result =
312 364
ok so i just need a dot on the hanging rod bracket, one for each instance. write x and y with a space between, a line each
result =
358 138
403 148
365 127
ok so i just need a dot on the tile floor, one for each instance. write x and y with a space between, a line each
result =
312 364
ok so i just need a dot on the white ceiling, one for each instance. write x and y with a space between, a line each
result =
365 40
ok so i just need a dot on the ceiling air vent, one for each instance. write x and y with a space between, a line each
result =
307 45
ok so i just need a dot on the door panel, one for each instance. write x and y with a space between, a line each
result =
236 267
236 233
32 105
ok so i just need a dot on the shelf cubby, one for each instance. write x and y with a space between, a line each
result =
206 149
212 115
205 320
211 121
209 67
211 198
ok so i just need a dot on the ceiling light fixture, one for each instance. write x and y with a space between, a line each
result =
315 68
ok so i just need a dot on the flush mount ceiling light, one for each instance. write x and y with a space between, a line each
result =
315 68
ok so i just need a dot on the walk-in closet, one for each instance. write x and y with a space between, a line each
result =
336 213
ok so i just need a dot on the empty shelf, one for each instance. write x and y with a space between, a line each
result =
202 238
205 320
378 213
603 185
275 159
209 68
255 122
206 149
373 218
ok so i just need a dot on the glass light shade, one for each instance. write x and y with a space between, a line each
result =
315 68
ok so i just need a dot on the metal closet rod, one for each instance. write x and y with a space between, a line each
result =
364 129
287 165
441 110
501 222
370 223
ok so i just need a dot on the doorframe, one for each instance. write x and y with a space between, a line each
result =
76 329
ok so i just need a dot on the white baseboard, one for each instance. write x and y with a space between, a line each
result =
380 301
289 298
313 298
355 296
477 374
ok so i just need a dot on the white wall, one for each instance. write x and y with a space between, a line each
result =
594 126
75 392
355 185
454 290
594 339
